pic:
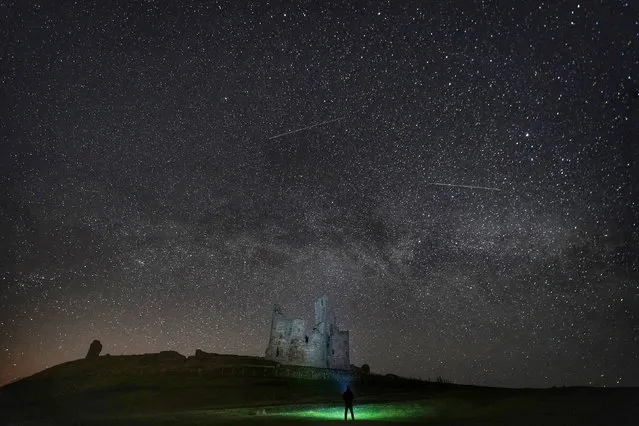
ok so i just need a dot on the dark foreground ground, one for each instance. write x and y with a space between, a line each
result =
72 394
570 406
450 408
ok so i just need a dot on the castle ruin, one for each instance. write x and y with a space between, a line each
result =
325 347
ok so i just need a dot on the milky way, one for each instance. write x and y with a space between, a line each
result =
144 205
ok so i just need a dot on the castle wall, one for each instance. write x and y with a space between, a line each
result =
338 355
278 347
324 347
297 345
316 350
321 308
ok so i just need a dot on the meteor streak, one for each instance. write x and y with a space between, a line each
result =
466 186
305 128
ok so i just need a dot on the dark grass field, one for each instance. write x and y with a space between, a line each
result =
124 394
467 407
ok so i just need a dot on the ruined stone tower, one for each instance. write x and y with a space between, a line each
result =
326 346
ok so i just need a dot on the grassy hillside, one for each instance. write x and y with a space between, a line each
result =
168 389
168 382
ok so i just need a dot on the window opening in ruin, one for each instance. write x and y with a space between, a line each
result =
306 338
333 351
277 353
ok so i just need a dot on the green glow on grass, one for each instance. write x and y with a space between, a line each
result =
386 412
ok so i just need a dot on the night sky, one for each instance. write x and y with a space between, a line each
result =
146 202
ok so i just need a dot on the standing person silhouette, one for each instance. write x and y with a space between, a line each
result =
348 402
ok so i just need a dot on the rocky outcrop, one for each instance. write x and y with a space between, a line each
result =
170 356
94 350
200 354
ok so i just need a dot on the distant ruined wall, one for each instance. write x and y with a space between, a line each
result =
338 355
315 350
321 307
280 336
297 343
325 346
310 373
320 343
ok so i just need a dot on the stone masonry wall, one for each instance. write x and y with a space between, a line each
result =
325 346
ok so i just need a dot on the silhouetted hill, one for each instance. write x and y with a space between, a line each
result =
168 381
111 388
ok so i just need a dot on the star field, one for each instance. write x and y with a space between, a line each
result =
146 202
